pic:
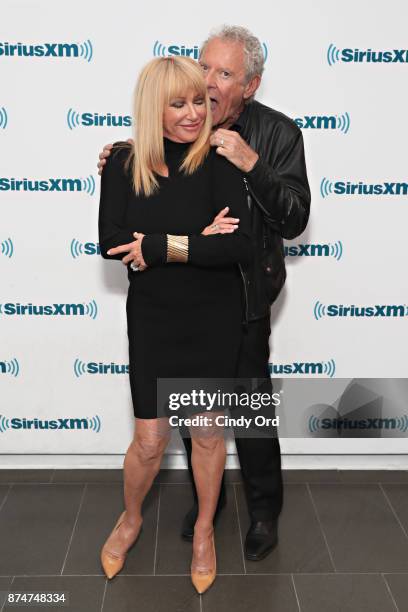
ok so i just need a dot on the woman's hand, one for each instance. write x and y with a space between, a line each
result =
221 224
134 250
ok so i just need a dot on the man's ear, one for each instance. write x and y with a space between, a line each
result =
252 86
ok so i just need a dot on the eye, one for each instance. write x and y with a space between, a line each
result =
204 67
199 101
177 104
225 74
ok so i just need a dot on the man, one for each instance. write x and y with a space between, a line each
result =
267 147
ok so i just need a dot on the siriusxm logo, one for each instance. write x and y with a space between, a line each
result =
75 119
334 249
327 368
86 185
347 55
160 50
346 423
7 248
92 367
89 423
68 310
3 118
72 50
340 310
84 248
328 187
10 367
324 122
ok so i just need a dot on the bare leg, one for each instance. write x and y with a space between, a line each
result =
208 462
141 465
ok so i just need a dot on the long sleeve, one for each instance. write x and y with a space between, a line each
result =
280 185
228 189
112 205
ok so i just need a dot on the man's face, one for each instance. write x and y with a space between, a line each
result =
224 71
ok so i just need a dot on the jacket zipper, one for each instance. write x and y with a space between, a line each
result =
240 267
246 294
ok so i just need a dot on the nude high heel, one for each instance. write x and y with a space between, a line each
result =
112 564
202 578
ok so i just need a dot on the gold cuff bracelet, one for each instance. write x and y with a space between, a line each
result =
177 248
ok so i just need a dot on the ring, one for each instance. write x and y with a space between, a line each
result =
221 142
134 267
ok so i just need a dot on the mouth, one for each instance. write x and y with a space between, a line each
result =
192 126
214 103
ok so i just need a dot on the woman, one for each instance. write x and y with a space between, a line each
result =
185 301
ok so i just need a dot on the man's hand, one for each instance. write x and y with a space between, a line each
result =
221 224
234 148
105 153
134 250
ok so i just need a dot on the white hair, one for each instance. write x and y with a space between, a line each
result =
253 52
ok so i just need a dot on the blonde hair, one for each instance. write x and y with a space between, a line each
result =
161 80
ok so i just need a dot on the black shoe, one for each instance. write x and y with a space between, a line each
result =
261 538
187 527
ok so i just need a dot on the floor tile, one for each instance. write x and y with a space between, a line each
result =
343 593
301 546
17 475
255 593
5 583
36 523
101 508
397 495
297 476
398 585
151 594
362 533
88 475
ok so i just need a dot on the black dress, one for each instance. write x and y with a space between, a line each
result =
184 319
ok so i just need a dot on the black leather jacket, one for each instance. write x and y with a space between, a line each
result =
278 198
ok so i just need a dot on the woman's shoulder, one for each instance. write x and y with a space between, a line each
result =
118 157
120 150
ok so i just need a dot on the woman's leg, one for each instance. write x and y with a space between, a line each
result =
141 464
208 462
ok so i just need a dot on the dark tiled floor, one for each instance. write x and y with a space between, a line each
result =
343 544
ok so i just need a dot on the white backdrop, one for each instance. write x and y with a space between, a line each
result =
51 102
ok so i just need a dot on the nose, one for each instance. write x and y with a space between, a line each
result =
192 112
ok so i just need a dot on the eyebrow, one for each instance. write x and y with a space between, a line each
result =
222 68
184 98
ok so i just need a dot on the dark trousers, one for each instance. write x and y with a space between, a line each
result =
259 457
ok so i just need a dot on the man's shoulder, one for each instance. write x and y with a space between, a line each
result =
274 119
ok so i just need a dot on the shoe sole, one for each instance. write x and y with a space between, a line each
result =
262 555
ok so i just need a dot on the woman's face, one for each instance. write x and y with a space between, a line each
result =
184 117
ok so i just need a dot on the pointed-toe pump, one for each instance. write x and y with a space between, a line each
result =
202 578
112 563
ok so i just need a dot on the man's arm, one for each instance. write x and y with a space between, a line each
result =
279 185
282 189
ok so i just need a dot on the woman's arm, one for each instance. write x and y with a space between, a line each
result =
112 204
228 189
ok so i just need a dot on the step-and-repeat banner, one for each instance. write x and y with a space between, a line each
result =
67 73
